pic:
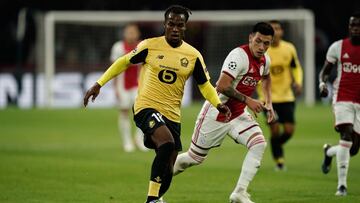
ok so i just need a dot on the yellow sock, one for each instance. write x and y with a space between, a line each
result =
280 160
154 189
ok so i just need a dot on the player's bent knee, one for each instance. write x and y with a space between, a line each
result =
197 153
167 148
196 156
186 160
260 146
256 140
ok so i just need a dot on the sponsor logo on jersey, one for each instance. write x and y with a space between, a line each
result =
249 81
168 67
232 65
134 50
346 56
348 67
184 62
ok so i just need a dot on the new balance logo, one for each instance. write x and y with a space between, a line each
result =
160 57
158 179
346 56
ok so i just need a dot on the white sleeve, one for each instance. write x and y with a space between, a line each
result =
333 53
266 70
117 50
236 63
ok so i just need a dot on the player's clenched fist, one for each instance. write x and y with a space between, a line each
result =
323 90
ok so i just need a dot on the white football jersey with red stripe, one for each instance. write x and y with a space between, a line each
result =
346 56
246 72
129 78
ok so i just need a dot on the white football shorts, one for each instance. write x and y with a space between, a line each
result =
209 133
126 96
347 112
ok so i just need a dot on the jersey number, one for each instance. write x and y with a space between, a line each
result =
167 76
158 117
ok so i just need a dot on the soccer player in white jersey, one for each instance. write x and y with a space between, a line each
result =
345 55
242 69
126 87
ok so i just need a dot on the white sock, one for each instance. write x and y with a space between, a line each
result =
186 160
342 159
332 151
125 130
250 166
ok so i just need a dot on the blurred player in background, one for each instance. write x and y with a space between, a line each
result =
167 62
126 86
242 69
286 83
345 56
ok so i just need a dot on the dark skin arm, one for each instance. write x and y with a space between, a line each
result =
324 77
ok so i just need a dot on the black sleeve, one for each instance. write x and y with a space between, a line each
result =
292 63
199 73
139 57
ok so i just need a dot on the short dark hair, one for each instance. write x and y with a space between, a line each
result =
177 9
356 14
263 28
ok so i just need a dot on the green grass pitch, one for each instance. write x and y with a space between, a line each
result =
75 155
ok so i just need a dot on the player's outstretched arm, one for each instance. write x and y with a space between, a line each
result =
115 69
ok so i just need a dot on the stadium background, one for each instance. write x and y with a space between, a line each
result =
18 56
74 155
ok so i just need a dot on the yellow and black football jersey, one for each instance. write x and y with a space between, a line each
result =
284 70
164 72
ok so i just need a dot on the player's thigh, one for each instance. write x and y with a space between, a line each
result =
150 121
209 133
175 130
275 129
244 129
345 113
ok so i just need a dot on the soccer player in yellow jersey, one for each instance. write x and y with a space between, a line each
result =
167 62
286 76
